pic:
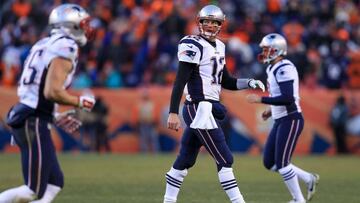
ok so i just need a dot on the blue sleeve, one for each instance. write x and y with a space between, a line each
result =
228 82
286 97
182 77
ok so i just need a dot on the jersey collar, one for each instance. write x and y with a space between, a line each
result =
210 42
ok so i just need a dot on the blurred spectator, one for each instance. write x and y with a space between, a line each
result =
146 125
136 41
100 112
87 130
94 128
112 77
338 118
353 124
354 70
334 68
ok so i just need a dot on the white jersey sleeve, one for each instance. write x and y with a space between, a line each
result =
285 73
188 51
64 48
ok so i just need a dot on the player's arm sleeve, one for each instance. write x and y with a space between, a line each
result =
286 97
190 51
182 77
230 83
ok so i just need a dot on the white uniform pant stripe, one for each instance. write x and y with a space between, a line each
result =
211 141
30 152
39 156
215 146
287 143
293 141
212 154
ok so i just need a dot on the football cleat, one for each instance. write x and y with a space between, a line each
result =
311 186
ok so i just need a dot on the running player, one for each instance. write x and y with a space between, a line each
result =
48 71
283 81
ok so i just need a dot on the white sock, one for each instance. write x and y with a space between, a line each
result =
49 195
228 182
301 174
18 194
292 183
174 179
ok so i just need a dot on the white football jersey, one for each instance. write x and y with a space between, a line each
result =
32 81
205 81
283 71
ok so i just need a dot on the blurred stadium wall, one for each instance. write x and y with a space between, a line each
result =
246 132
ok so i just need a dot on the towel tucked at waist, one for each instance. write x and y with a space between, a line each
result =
204 118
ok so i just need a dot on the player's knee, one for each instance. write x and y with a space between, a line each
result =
184 161
190 163
227 163
268 164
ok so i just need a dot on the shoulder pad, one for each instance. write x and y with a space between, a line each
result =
285 72
64 47
190 50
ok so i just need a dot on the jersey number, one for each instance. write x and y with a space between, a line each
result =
29 78
217 76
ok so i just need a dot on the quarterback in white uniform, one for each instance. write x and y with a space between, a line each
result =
47 72
202 70
210 58
283 81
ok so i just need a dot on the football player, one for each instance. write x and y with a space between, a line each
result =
47 72
202 72
283 81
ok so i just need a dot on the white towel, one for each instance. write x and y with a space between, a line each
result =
204 118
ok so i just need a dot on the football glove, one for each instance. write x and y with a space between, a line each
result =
86 102
67 121
254 84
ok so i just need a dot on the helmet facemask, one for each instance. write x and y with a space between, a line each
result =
209 28
87 29
267 55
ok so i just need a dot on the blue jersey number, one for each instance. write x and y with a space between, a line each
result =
217 76
29 78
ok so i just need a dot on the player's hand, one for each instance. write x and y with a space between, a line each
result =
67 121
253 98
86 102
173 121
254 84
266 114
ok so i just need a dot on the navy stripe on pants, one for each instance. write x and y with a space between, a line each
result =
39 162
213 140
282 141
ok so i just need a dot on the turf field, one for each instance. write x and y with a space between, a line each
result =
140 179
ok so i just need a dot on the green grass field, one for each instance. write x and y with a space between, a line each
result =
140 178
